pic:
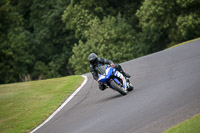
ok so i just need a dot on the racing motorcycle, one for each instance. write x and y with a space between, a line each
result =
114 79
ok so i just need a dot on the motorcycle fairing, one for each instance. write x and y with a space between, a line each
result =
109 72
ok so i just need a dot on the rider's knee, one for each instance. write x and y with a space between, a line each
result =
118 67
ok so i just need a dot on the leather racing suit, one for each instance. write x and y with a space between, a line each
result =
103 61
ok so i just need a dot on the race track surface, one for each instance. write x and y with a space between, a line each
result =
167 92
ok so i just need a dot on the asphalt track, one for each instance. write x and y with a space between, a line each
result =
167 92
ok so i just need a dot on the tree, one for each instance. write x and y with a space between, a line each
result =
111 38
76 18
156 19
169 22
45 39
33 41
187 21
187 26
54 42
14 45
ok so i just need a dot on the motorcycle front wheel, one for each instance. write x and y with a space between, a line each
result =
118 88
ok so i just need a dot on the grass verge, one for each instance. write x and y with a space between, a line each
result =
189 126
23 106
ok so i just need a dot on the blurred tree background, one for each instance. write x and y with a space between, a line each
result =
48 39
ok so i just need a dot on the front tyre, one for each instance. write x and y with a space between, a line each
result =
118 88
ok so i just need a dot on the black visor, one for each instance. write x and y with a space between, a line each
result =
92 61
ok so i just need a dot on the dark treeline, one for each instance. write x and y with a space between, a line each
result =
47 39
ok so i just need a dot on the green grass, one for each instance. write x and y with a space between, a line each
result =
23 106
189 126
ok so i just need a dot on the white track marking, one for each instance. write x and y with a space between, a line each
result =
67 101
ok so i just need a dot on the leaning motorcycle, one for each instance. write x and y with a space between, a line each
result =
107 75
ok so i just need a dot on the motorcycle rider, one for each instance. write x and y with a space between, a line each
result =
96 62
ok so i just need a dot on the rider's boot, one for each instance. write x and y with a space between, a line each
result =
126 74
119 68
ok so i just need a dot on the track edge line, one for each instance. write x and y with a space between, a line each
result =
61 106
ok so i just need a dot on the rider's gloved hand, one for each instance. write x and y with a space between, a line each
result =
112 65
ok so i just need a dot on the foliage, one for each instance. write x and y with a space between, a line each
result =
14 43
168 22
111 38
45 39
156 20
76 17
187 25
33 46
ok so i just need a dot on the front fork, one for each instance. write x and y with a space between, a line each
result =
121 76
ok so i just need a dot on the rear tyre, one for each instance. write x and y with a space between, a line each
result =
118 88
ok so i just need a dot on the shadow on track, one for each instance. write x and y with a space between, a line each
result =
110 98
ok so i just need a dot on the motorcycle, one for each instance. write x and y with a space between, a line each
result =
108 76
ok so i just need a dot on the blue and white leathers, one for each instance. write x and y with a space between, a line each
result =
109 71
